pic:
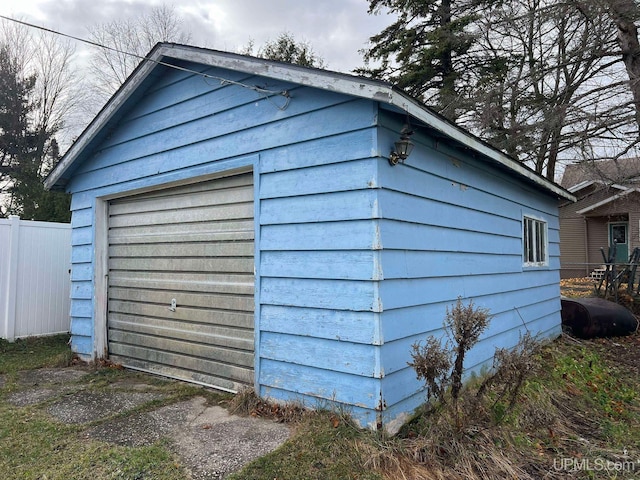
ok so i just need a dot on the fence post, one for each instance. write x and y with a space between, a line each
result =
12 277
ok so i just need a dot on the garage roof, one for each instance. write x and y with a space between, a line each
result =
386 94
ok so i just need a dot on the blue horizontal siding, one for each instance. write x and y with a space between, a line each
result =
358 296
365 416
416 236
82 290
410 208
81 254
465 173
81 218
294 349
326 150
82 345
346 176
332 207
347 326
166 113
338 235
420 264
397 351
400 293
327 385
452 227
338 265
81 272
81 236
217 138
82 308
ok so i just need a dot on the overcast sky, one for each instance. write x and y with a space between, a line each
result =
336 29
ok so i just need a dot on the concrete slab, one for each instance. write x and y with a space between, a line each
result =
208 441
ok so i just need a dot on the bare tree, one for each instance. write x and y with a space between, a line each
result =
553 89
625 14
128 41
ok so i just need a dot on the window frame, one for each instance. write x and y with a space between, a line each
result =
535 242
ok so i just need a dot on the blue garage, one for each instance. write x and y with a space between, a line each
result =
244 222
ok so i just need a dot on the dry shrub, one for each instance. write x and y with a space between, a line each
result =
457 434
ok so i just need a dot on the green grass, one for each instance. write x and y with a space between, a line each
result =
323 448
30 353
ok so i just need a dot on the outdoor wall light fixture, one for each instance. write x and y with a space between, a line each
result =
403 147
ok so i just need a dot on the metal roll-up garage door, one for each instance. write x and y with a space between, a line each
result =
181 282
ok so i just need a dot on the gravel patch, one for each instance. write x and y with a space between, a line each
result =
32 396
85 407
50 376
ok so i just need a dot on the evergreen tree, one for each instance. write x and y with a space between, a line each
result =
285 48
27 153
426 51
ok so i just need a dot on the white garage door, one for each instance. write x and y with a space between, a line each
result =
181 282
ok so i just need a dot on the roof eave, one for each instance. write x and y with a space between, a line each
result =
599 204
347 84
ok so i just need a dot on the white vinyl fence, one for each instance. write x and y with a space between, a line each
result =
35 258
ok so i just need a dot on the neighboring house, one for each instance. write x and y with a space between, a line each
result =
607 210
237 221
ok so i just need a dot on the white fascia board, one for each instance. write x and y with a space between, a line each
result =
607 200
581 185
323 79
588 183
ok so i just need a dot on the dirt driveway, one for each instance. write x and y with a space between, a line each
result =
135 410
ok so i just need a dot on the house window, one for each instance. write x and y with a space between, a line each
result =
535 242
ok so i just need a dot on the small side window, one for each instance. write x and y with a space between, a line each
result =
534 242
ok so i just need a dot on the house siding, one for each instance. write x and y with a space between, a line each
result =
583 235
451 227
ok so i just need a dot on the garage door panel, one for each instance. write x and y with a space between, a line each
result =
192 282
192 332
183 249
194 244
182 201
225 183
191 215
171 345
205 231
184 361
210 264
183 372
183 299
207 316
